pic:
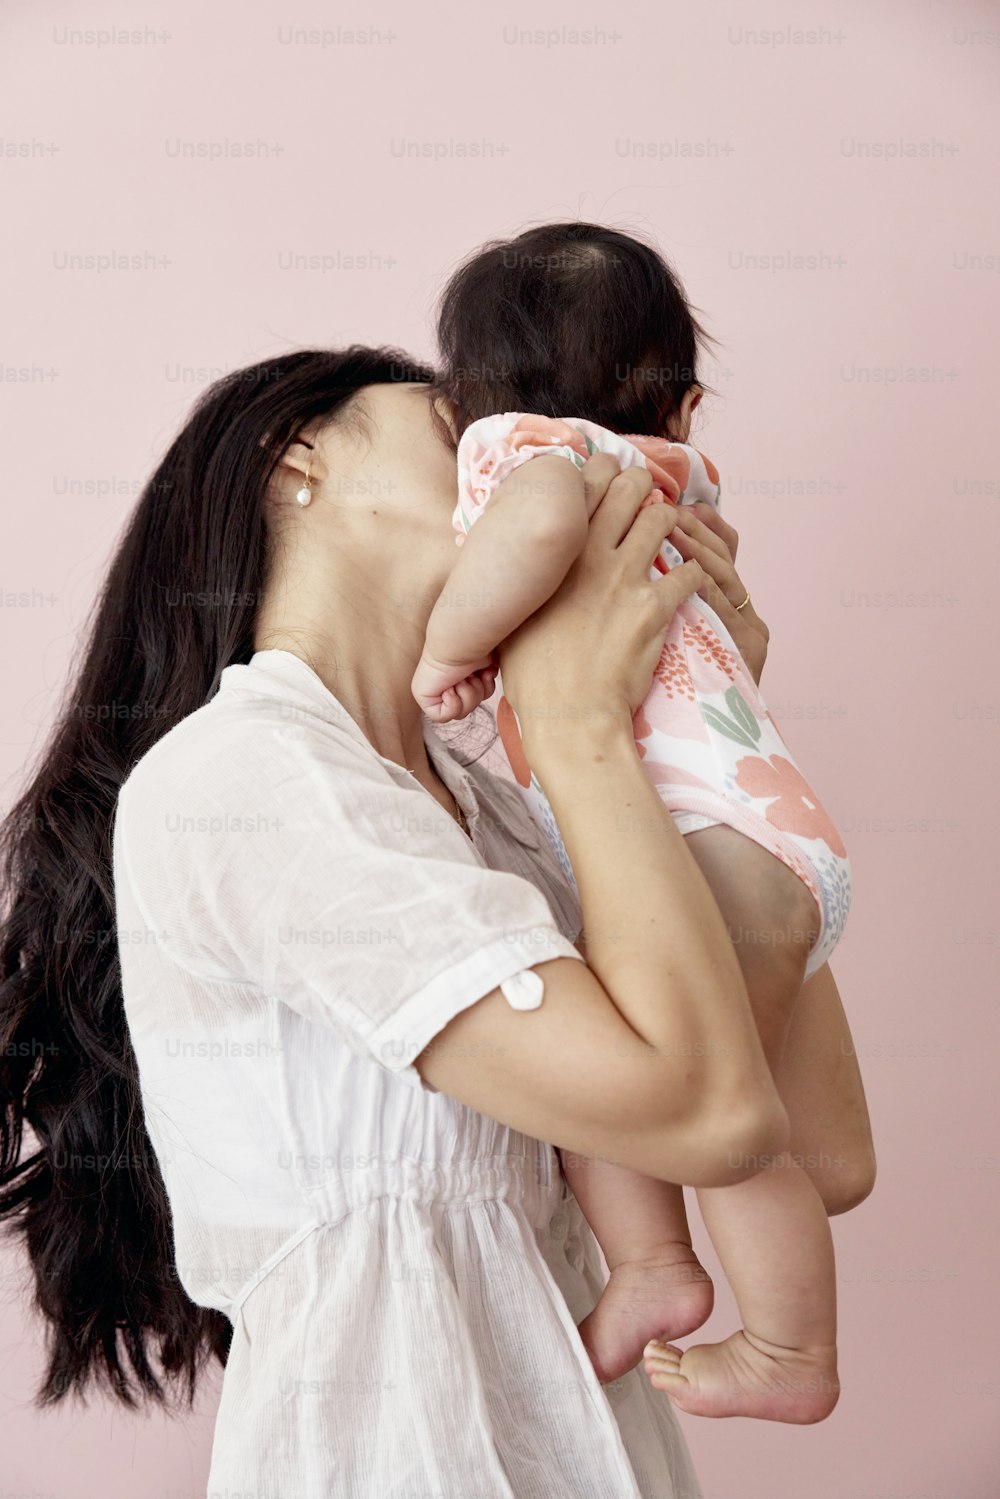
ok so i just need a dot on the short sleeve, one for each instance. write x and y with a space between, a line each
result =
290 859
493 447
683 474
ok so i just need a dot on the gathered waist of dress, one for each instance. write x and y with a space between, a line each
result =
534 1182
533 1187
332 1186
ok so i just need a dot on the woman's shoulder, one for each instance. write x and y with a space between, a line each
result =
248 754
248 806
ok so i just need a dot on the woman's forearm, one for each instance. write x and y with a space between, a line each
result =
654 935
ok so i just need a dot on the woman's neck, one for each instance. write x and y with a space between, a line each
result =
373 686
356 574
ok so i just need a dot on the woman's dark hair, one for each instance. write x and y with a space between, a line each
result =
568 320
88 1199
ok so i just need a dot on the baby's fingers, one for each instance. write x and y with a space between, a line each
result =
471 691
447 708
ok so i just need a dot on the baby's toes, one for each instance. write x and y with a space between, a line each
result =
662 1358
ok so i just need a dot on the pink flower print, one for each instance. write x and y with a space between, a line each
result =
672 460
672 672
711 665
546 432
670 775
471 450
795 808
481 473
510 738
641 726
674 713
667 462
710 468
661 774
697 664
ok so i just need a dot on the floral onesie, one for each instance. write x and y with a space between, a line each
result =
704 733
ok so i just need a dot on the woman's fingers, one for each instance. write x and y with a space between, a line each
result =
646 534
719 584
749 632
598 472
678 584
724 590
693 526
697 531
713 522
694 541
617 506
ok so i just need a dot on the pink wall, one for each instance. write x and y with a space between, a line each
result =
856 458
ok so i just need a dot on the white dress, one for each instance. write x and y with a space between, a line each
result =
297 918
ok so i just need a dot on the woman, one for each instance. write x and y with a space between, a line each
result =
353 1006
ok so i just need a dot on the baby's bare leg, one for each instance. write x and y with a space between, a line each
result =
820 1085
770 1231
657 1287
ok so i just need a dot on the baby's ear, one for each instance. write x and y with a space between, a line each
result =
691 398
679 425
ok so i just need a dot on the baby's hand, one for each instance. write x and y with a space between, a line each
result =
446 693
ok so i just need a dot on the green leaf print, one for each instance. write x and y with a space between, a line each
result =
742 714
727 726
591 446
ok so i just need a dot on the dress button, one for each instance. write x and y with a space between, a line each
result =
524 991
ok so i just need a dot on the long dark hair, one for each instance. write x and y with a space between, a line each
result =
568 320
88 1199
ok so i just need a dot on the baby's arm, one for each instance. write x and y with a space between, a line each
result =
511 562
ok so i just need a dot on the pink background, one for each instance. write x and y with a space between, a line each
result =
857 463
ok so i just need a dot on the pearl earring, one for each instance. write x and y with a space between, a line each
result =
304 495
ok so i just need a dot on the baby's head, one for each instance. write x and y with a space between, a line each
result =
570 320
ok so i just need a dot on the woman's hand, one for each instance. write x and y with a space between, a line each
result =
702 535
588 655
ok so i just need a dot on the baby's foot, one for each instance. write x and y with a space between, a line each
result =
665 1296
745 1376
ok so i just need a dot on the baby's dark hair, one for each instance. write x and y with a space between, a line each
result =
568 320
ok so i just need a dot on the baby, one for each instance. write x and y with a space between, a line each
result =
549 359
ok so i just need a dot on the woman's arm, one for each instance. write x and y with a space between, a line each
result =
512 560
648 1053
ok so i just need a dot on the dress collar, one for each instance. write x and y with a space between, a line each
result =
275 672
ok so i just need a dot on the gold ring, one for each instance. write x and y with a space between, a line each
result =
744 603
